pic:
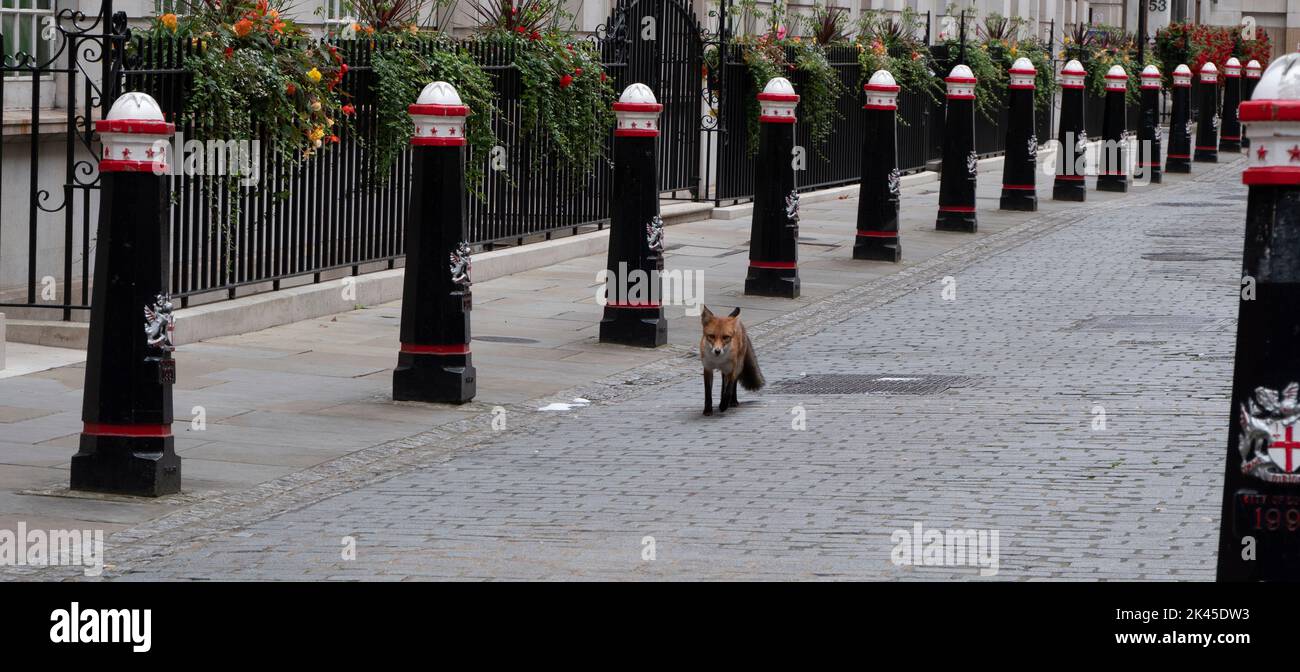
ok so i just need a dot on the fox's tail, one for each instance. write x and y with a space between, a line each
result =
751 377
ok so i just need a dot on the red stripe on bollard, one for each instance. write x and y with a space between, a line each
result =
142 430
120 166
438 142
772 264
455 349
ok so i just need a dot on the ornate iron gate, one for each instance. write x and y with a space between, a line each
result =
663 47
55 80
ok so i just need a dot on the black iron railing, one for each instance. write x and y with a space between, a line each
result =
328 213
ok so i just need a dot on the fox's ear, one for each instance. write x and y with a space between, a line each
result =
706 315
735 312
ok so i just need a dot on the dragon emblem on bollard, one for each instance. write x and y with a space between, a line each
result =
1081 142
1216 121
1266 425
460 266
654 235
972 163
1033 146
792 206
1188 129
895 182
159 323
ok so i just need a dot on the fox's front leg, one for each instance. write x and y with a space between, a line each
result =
708 392
727 381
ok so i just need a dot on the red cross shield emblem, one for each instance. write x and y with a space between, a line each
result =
1283 446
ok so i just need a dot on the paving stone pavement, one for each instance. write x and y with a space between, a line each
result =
1126 311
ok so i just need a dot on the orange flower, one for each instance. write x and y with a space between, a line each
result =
168 20
243 27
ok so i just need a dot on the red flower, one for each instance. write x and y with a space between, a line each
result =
535 36
603 77
229 52
577 71
290 88
334 138
343 69
349 109
521 30
565 81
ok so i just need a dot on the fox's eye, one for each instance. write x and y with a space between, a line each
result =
726 338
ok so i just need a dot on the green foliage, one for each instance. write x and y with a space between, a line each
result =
566 94
888 44
402 66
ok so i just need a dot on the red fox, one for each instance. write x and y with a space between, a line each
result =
726 347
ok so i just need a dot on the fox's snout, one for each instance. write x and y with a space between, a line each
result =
717 350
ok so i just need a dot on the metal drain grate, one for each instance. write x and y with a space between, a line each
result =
1181 256
1149 323
504 339
845 383
1191 205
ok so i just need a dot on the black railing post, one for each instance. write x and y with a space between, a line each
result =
126 443
1148 149
434 362
773 248
877 232
1072 136
1113 172
960 162
1253 72
1179 158
1230 138
633 311
1020 163
1207 121
1257 538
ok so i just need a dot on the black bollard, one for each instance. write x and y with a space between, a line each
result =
1259 531
1253 70
1072 136
1230 139
878 198
634 313
1179 158
960 162
1207 118
1112 174
126 444
1020 164
434 362
1148 149
774 233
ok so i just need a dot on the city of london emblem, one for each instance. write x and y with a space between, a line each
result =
460 266
159 324
792 206
1267 444
654 235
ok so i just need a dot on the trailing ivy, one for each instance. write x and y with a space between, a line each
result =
402 66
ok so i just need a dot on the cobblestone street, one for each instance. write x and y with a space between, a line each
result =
1079 407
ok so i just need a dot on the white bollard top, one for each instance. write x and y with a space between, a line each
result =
882 91
1182 75
1232 68
1150 77
1273 116
961 83
135 136
1116 78
1209 73
1021 74
1254 69
637 112
1073 75
777 102
439 117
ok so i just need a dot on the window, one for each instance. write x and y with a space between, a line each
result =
22 23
